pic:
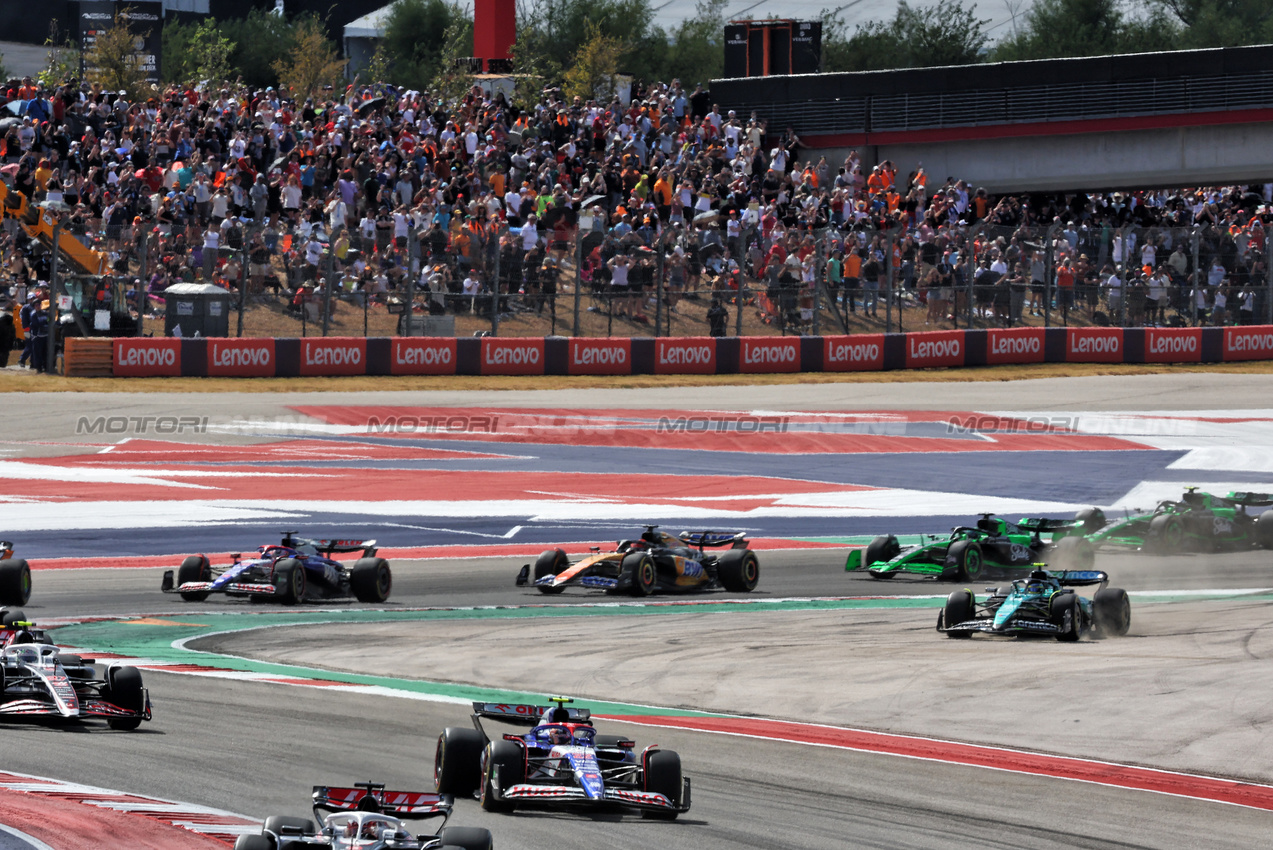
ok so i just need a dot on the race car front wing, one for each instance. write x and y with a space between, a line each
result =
987 626
622 796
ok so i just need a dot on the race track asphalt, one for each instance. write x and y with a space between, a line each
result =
256 747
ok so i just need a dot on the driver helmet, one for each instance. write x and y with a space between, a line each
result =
558 735
1038 581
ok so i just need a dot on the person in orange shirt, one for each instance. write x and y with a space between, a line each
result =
875 183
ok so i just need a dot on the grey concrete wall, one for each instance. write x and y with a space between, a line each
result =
1183 156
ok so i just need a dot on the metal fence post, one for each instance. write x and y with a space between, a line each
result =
327 287
243 281
142 298
1194 277
412 272
497 237
1268 280
1049 271
576 330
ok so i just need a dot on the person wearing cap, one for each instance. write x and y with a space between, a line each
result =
39 335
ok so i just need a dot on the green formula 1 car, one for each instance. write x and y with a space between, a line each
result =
993 545
1198 522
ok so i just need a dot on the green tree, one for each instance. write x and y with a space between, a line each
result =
592 73
916 37
61 63
559 28
1057 28
453 79
259 40
112 60
415 37
174 51
210 51
311 63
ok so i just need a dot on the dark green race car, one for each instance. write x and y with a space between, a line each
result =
1198 522
992 546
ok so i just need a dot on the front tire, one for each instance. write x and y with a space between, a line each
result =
371 580
644 578
289 581
739 570
1061 605
1112 611
457 763
970 564
1091 520
510 760
194 568
1166 534
550 563
124 690
883 548
663 776
1264 529
278 823
9 616
961 606
15 582
466 837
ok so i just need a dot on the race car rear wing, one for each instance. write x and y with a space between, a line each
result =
701 539
525 715
1080 578
1251 500
372 797
329 546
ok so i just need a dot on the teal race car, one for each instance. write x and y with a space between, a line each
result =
1042 605
1197 522
992 546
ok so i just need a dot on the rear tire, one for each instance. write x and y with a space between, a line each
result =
289 581
1073 553
961 606
1062 604
508 757
1166 535
739 570
1112 611
663 776
883 548
969 562
194 568
371 580
15 582
1264 529
645 578
467 837
9 616
551 563
457 763
124 690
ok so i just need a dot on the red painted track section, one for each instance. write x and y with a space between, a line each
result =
1082 770
425 553
67 824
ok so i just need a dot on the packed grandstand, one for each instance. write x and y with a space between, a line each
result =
666 214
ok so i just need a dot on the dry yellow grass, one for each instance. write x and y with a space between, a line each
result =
17 382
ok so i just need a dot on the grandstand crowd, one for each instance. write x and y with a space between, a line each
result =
483 206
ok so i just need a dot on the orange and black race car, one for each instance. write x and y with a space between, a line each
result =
656 561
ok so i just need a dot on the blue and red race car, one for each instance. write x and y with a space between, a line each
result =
296 570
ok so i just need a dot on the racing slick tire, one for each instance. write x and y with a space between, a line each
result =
1263 530
15 582
961 606
277 823
1112 611
1166 535
970 564
663 776
1073 553
194 568
644 577
1059 605
510 760
123 688
550 563
371 580
9 616
1090 520
738 570
253 842
457 763
466 837
883 548
289 581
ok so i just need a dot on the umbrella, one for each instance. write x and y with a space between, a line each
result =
707 217
370 106
592 199
14 107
